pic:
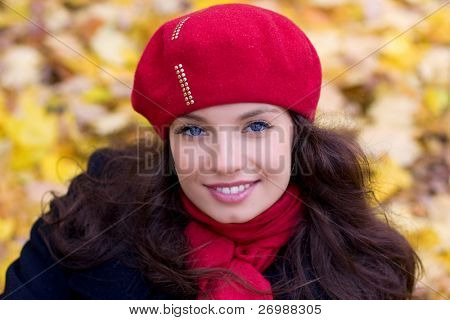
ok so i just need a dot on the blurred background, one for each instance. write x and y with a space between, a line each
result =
66 71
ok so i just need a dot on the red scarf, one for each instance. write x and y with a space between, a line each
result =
247 248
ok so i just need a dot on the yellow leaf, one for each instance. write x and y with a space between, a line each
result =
97 94
58 168
401 53
388 178
444 257
32 131
7 227
200 4
435 26
13 250
436 100
9 18
4 116
424 238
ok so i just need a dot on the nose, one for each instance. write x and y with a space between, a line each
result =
228 153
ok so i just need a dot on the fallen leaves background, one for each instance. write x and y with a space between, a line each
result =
66 68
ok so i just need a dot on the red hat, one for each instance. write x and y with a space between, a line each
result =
223 54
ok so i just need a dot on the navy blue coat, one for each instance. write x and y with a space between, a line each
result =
35 275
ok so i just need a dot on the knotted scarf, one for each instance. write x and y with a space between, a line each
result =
247 248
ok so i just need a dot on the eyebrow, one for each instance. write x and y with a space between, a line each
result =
241 117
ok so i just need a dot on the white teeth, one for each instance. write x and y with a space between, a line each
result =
234 189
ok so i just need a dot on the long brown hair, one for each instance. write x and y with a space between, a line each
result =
126 205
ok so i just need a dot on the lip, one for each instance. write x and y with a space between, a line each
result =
229 185
232 198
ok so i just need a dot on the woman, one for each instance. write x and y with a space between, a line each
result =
243 197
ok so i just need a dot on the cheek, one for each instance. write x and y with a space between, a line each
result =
189 159
181 158
279 159
272 155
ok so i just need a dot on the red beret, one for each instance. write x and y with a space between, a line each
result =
222 54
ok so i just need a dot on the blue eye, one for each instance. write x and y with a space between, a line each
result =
193 130
258 126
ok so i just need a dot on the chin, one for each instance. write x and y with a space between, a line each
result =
241 219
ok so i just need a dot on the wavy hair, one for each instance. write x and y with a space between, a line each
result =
126 205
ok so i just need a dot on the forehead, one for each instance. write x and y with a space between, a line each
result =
234 112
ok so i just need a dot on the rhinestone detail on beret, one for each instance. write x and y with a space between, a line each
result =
177 29
182 79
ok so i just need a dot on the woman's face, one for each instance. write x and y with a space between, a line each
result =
233 161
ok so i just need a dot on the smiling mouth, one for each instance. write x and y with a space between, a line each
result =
234 194
235 189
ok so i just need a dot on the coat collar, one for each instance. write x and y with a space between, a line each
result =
113 280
